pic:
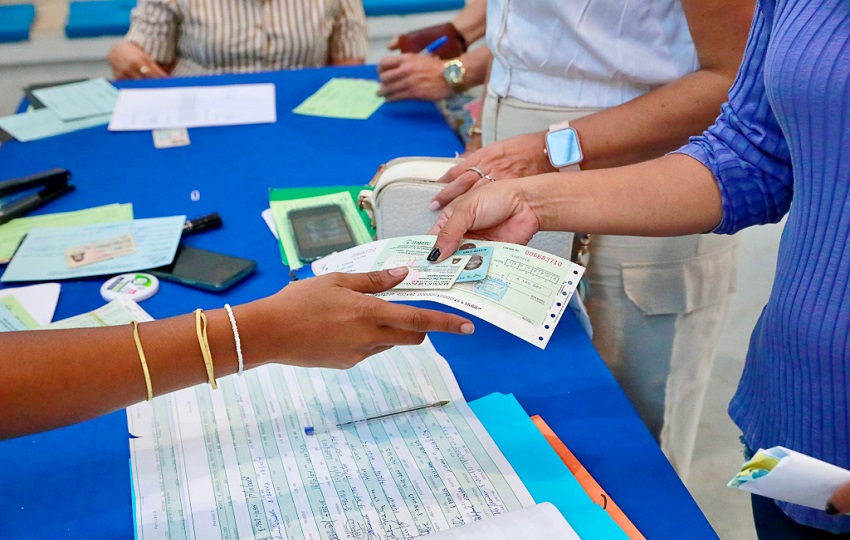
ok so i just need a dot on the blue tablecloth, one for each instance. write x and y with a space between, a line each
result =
74 482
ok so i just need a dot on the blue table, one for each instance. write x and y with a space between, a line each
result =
74 482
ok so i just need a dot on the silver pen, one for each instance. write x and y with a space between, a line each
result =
311 430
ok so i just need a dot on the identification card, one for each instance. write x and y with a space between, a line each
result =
101 250
476 268
427 275
170 138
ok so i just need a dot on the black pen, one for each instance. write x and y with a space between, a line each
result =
203 223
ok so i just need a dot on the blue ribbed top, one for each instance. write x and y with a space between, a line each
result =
783 141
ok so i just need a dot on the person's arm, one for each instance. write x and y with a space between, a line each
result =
737 174
349 41
471 22
51 378
419 76
149 48
644 128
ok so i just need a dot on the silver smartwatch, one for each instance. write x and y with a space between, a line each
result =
563 147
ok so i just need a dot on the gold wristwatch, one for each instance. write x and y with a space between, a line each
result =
454 73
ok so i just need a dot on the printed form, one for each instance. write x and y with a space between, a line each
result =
525 291
236 462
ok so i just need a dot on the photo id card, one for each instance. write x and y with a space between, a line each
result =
427 275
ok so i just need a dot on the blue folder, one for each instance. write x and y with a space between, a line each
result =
540 468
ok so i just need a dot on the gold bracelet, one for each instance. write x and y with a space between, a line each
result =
142 359
201 327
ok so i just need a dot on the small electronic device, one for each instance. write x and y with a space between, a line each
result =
319 231
205 269
563 148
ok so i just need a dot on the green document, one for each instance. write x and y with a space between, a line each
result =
42 123
281 200
14 316
353 99
83 99
286 236
11 233
115 313
236 462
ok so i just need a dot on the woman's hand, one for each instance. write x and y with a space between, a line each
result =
498 211
328 321
412 76
129 61
512 158
839 503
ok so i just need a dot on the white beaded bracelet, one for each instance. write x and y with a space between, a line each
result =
235 338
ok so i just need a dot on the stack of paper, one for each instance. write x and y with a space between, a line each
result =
68 107
13 232
94 250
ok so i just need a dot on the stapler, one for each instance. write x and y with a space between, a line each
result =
54 184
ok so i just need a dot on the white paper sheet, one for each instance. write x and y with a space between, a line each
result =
236 462
194 106
39 300
786 475
541 521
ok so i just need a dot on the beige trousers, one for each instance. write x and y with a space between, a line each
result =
656 304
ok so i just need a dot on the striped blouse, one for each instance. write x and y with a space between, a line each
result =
782 137
197 37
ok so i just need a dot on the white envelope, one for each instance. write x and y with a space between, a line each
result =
786 475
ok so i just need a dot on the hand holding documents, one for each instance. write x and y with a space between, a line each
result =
525 291
194 106
786 475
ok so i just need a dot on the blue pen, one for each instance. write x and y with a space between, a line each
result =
434 45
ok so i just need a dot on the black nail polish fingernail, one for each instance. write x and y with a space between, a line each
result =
831 509
434 255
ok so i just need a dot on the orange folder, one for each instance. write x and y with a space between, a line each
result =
593 489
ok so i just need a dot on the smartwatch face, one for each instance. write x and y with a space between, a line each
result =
563 148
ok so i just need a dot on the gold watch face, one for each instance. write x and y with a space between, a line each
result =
453 73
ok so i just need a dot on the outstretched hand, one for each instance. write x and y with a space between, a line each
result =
331 321
516 157
839 502
498 211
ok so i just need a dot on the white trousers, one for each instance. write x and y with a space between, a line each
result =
656 304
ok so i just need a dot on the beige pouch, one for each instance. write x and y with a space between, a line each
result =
404 188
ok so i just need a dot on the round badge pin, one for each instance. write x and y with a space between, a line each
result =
136 286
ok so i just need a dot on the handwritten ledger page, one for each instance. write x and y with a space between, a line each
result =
236 462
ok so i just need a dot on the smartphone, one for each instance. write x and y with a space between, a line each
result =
320 231
205 269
